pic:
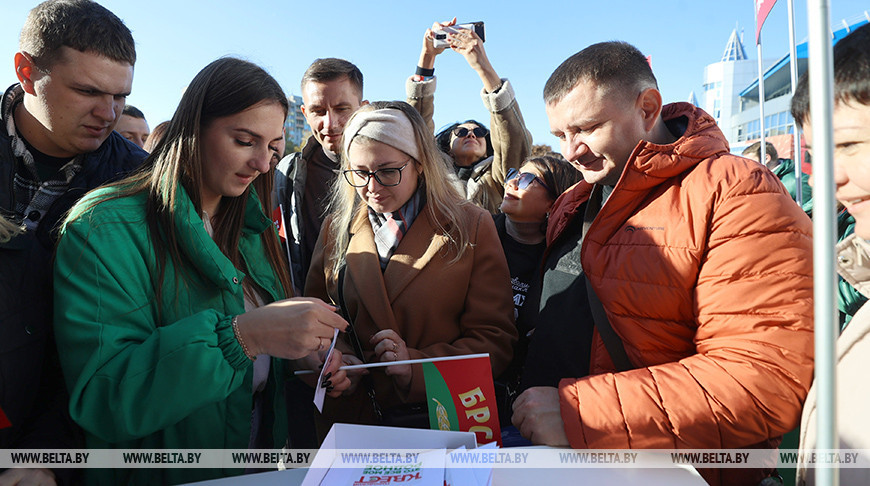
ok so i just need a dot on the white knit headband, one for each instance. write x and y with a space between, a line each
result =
387 125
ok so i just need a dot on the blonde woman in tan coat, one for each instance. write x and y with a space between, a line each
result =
421 269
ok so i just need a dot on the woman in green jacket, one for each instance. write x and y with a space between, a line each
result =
169 287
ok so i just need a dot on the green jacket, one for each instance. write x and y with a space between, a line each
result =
785 172
148 372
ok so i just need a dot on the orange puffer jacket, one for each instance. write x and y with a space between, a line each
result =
704 266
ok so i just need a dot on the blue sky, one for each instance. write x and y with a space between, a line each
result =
526 41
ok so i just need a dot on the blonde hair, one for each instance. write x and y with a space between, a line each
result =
444 202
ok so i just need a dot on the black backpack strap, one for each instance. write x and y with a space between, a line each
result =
612 341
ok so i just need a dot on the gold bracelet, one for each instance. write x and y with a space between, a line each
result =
235 325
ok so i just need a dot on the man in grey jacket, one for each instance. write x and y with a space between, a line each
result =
332 90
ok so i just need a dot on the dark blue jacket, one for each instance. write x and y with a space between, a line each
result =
32 390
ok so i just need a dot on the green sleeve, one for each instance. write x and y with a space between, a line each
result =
129 374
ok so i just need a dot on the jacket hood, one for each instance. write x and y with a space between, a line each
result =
650 164
701 139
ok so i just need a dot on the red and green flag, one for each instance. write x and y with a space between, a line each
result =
461 396
278 220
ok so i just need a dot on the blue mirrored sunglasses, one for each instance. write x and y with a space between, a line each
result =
526 178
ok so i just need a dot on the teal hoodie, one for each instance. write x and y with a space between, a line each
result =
785 172
154 373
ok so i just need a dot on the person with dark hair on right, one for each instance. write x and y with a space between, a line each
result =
851 139
784 170
481 157
529 195
677 295
75 70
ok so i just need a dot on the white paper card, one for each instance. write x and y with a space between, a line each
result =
319 391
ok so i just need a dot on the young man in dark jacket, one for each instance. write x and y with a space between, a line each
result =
56 143
332 90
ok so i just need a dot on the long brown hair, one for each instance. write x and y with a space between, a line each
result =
223 88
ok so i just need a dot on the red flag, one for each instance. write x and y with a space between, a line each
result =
4 422
762 8
461 396
278 219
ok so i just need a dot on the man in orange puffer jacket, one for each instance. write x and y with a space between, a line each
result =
703 265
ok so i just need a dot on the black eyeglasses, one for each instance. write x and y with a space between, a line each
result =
386 177
526 178
478 132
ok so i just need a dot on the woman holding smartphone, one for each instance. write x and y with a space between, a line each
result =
481 157
522 225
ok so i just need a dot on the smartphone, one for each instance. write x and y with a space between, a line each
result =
441 35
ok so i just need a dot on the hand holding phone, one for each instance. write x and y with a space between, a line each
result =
440 36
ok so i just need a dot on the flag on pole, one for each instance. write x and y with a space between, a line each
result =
278 219
461 396
4 422
281 227
762 8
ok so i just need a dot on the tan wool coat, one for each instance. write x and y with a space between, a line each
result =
439 308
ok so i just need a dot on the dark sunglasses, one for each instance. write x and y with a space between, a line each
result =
478 132
526 178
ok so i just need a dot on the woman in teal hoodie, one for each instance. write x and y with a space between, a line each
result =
170 288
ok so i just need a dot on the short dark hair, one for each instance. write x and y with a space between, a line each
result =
82 25
614 64
851 75
755 149
442 139
331 68
131 110
557 172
